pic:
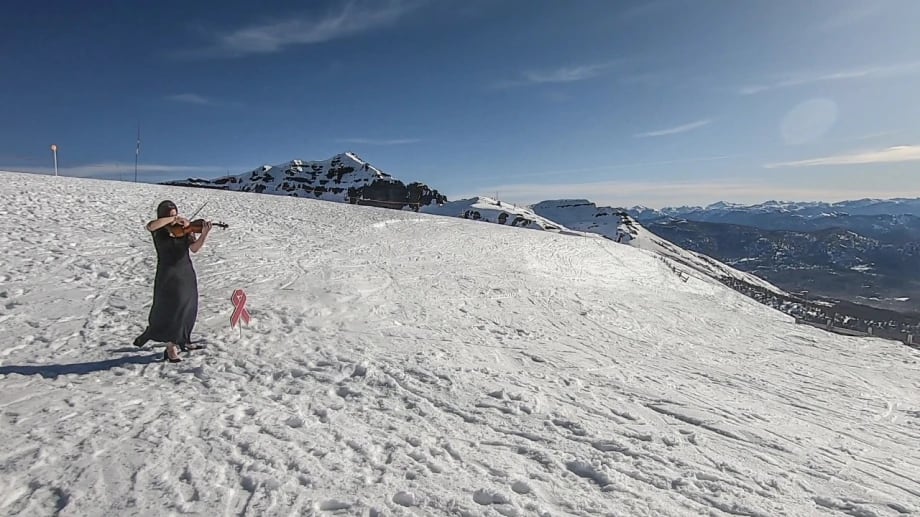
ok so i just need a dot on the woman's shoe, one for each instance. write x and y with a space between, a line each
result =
170 359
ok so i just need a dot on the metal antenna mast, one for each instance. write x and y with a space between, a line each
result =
137 151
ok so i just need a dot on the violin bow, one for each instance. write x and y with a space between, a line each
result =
196 211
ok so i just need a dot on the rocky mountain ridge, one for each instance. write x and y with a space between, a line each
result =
344 178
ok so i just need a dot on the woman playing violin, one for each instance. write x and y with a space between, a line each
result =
175 286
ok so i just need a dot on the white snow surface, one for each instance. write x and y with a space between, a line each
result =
411 364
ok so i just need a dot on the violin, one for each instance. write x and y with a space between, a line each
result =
196 226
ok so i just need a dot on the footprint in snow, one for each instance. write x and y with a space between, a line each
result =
332 505
294 422
497 394
407 499
588 471
521 487
487 497
573 427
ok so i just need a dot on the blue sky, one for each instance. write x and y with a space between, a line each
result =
662 102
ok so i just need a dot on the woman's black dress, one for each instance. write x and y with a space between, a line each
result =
175 291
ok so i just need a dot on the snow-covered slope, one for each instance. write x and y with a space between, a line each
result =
406 364
493 211
344 178
616 224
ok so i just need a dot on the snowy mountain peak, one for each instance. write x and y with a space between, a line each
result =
361 164
344 178
722 205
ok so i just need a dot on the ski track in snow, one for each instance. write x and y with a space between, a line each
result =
404 364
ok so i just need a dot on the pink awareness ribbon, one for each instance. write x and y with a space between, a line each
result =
239 302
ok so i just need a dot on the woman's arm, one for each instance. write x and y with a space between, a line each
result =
156 224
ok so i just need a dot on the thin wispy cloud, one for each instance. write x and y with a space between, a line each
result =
566 74
901 153
870 136
201 100
894 70
379 141
190 98
851 16
642 10
117 169
275 35
674 130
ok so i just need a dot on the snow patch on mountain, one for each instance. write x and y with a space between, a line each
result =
494 211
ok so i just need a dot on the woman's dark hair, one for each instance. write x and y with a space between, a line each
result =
164 208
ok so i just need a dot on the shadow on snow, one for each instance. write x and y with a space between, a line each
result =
51 371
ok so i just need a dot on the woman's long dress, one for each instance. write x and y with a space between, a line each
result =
175 291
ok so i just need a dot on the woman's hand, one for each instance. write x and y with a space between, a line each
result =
182 221
196 244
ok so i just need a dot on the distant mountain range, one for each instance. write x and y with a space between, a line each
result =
865 251
762 214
